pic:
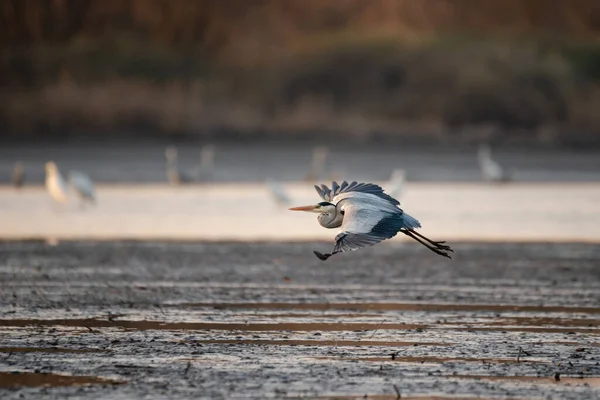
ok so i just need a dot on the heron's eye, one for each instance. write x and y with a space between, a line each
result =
342 212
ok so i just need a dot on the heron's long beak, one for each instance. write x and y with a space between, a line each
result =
304 208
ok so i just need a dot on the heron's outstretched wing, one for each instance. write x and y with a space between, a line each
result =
366 188
366 224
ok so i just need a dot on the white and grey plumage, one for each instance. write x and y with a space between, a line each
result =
366 216
55 184
83 186
490 169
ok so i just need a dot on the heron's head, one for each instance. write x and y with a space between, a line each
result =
323 207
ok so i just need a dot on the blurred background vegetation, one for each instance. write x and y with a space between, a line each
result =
378 70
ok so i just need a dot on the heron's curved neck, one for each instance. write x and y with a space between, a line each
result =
331 219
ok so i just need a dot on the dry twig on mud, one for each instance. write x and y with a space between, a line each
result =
376 329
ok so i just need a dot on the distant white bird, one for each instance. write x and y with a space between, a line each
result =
318 165
365 216
18 175
83 186
55 184
490 169
396 183
174 174
278 193
206 168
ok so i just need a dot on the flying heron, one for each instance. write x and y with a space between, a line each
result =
55 184
365 216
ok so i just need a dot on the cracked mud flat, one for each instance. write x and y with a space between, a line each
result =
171 320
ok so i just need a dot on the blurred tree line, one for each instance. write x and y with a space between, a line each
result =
301 65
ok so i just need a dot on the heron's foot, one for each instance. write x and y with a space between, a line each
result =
441 252
322 256
440 245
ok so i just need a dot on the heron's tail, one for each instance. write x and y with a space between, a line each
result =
410 222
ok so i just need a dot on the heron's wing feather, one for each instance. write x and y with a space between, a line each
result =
332 195
366 224
324 192
335 187
366 188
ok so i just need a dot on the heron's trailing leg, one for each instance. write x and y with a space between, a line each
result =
440 245
433 246
324 256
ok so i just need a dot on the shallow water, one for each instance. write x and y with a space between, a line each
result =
554 212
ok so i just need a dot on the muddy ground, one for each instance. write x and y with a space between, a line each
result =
191 320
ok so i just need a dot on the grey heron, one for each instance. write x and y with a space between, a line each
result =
55 184
83 186
18 175
174 175
490 169
366 216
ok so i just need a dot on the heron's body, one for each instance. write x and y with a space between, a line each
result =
55 184
365 215
83 186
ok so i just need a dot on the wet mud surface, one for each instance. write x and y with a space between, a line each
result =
180 320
